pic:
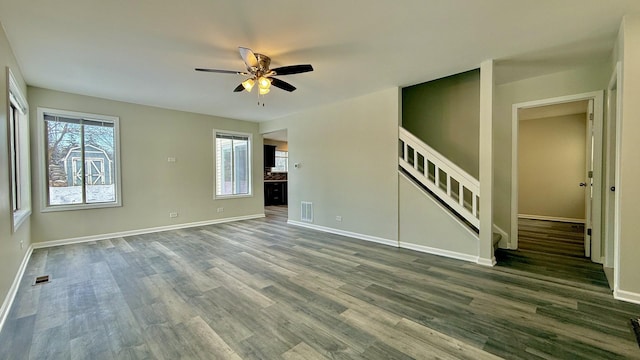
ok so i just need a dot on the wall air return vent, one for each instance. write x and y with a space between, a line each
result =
306 211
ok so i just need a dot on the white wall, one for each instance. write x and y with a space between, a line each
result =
11 253
151 186
629 271
551 164
348 155
577 81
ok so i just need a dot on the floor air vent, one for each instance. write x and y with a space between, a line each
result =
41 280
306 211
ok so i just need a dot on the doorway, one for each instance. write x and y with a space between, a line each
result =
276 171
582 181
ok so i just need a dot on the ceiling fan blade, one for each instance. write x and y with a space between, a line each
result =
282 84
219 71
292 69
238 88
248 57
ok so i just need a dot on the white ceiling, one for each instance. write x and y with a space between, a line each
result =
145 51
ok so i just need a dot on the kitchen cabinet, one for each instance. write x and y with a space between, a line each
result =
275 193
269 156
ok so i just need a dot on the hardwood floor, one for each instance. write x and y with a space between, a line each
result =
553 251
551 237
262 289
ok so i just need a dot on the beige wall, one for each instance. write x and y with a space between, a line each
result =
348 163
445 114
11 252
423 222
630 150
577 81
551 164
151 186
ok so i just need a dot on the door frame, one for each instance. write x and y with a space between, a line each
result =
612 198
597 97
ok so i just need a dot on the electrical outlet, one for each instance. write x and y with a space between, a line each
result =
173 214
339 218
21 244
171 159
220 210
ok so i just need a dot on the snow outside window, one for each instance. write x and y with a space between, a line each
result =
81 160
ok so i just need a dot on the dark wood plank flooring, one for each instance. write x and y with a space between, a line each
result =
261 289
551 237
553 251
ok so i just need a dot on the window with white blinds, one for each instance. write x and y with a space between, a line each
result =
233 164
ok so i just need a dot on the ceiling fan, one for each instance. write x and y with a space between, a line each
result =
258 72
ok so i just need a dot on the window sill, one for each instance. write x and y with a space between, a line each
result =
72 207
20 217
227 197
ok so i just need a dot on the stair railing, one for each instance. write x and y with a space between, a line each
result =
449 182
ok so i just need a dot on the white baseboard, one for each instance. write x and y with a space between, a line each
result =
11 296
439 252
345 233
487 262
626 296
404 245
551 218
46 244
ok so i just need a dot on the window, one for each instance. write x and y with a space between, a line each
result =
233 164
282 162
20 176
81 160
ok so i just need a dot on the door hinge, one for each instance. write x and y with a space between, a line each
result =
591 174
589 232
591 116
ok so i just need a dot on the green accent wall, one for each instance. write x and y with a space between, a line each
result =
445 114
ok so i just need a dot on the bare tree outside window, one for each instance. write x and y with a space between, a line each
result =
80 159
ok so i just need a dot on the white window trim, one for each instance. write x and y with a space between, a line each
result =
15 97
249 161
42 165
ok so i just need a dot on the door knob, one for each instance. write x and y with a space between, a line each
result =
613 188
583 184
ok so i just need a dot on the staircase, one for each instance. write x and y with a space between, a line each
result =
444 179
448 184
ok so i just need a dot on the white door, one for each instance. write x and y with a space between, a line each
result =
588 182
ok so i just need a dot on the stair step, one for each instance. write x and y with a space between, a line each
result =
496 239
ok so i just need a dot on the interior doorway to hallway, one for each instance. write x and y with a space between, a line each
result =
555 161
558 177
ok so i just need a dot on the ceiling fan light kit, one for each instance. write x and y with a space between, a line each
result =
248 84
258 71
